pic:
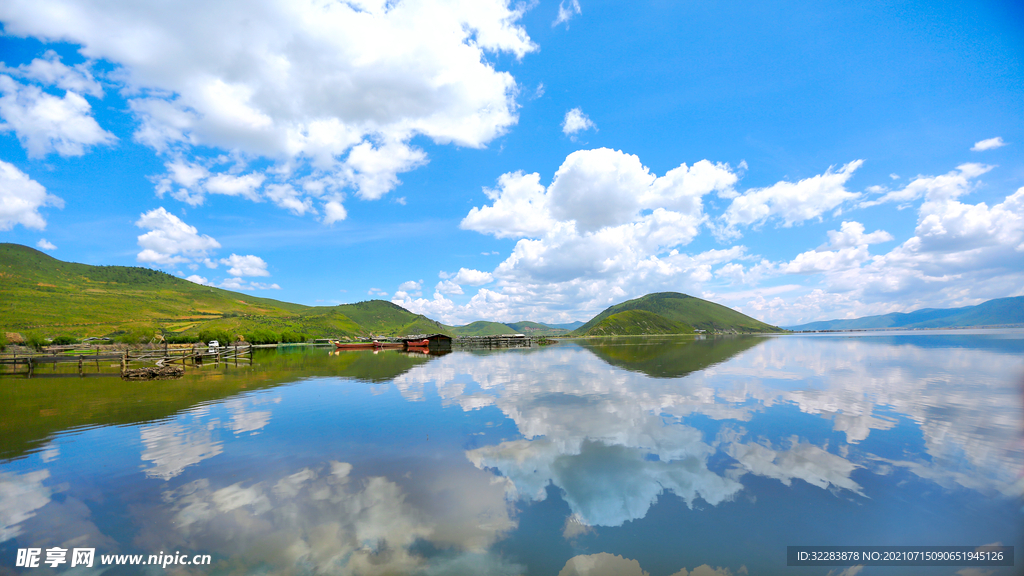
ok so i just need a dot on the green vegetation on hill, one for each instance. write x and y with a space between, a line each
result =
43 295
998 312
680 309
536 329
384 318
482 328
636 323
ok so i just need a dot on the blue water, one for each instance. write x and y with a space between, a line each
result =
670 458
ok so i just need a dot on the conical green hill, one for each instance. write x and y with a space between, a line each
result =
676 308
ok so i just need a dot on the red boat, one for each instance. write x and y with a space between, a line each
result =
417 343
354 345
388 345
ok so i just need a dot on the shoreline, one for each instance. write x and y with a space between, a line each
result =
907 329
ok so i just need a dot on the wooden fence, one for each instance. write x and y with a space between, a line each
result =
99 363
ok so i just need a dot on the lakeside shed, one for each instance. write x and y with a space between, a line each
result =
437 341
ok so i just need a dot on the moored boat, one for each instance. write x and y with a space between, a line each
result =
387 345
354 345
417 343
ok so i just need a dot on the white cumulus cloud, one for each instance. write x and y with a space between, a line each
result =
411 285
605 229
170 240
230 185
287 197
45 123
792 202
846 248
334 212
472 277
44 244
335 90
988 144
21 198
245 265
950 185
960 254
576 121
519 208
50 71
447 287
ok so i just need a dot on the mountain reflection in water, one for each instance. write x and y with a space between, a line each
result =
622 456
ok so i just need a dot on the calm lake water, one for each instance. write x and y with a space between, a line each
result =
619 456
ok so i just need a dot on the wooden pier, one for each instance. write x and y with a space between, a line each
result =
130 364
502 341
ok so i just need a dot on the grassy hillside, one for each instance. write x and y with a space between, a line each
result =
636 323
47 296
680 309
1000 311
384 318
482 328
536 329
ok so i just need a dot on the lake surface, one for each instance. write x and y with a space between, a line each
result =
618 456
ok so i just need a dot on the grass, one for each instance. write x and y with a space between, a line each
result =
47 297
636 323
483 328
536 329
683 309
43 297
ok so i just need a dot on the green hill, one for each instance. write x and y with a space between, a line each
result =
482 328
675 308
536 329
998 312
382 317
636 323
54 298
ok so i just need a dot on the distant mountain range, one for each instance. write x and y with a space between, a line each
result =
998 312
568 325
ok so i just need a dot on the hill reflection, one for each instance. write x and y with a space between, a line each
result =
668 357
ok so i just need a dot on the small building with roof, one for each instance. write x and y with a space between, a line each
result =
436 341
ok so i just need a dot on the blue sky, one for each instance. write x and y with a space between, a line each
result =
484 160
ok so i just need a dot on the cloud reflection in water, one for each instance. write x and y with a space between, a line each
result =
613 440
